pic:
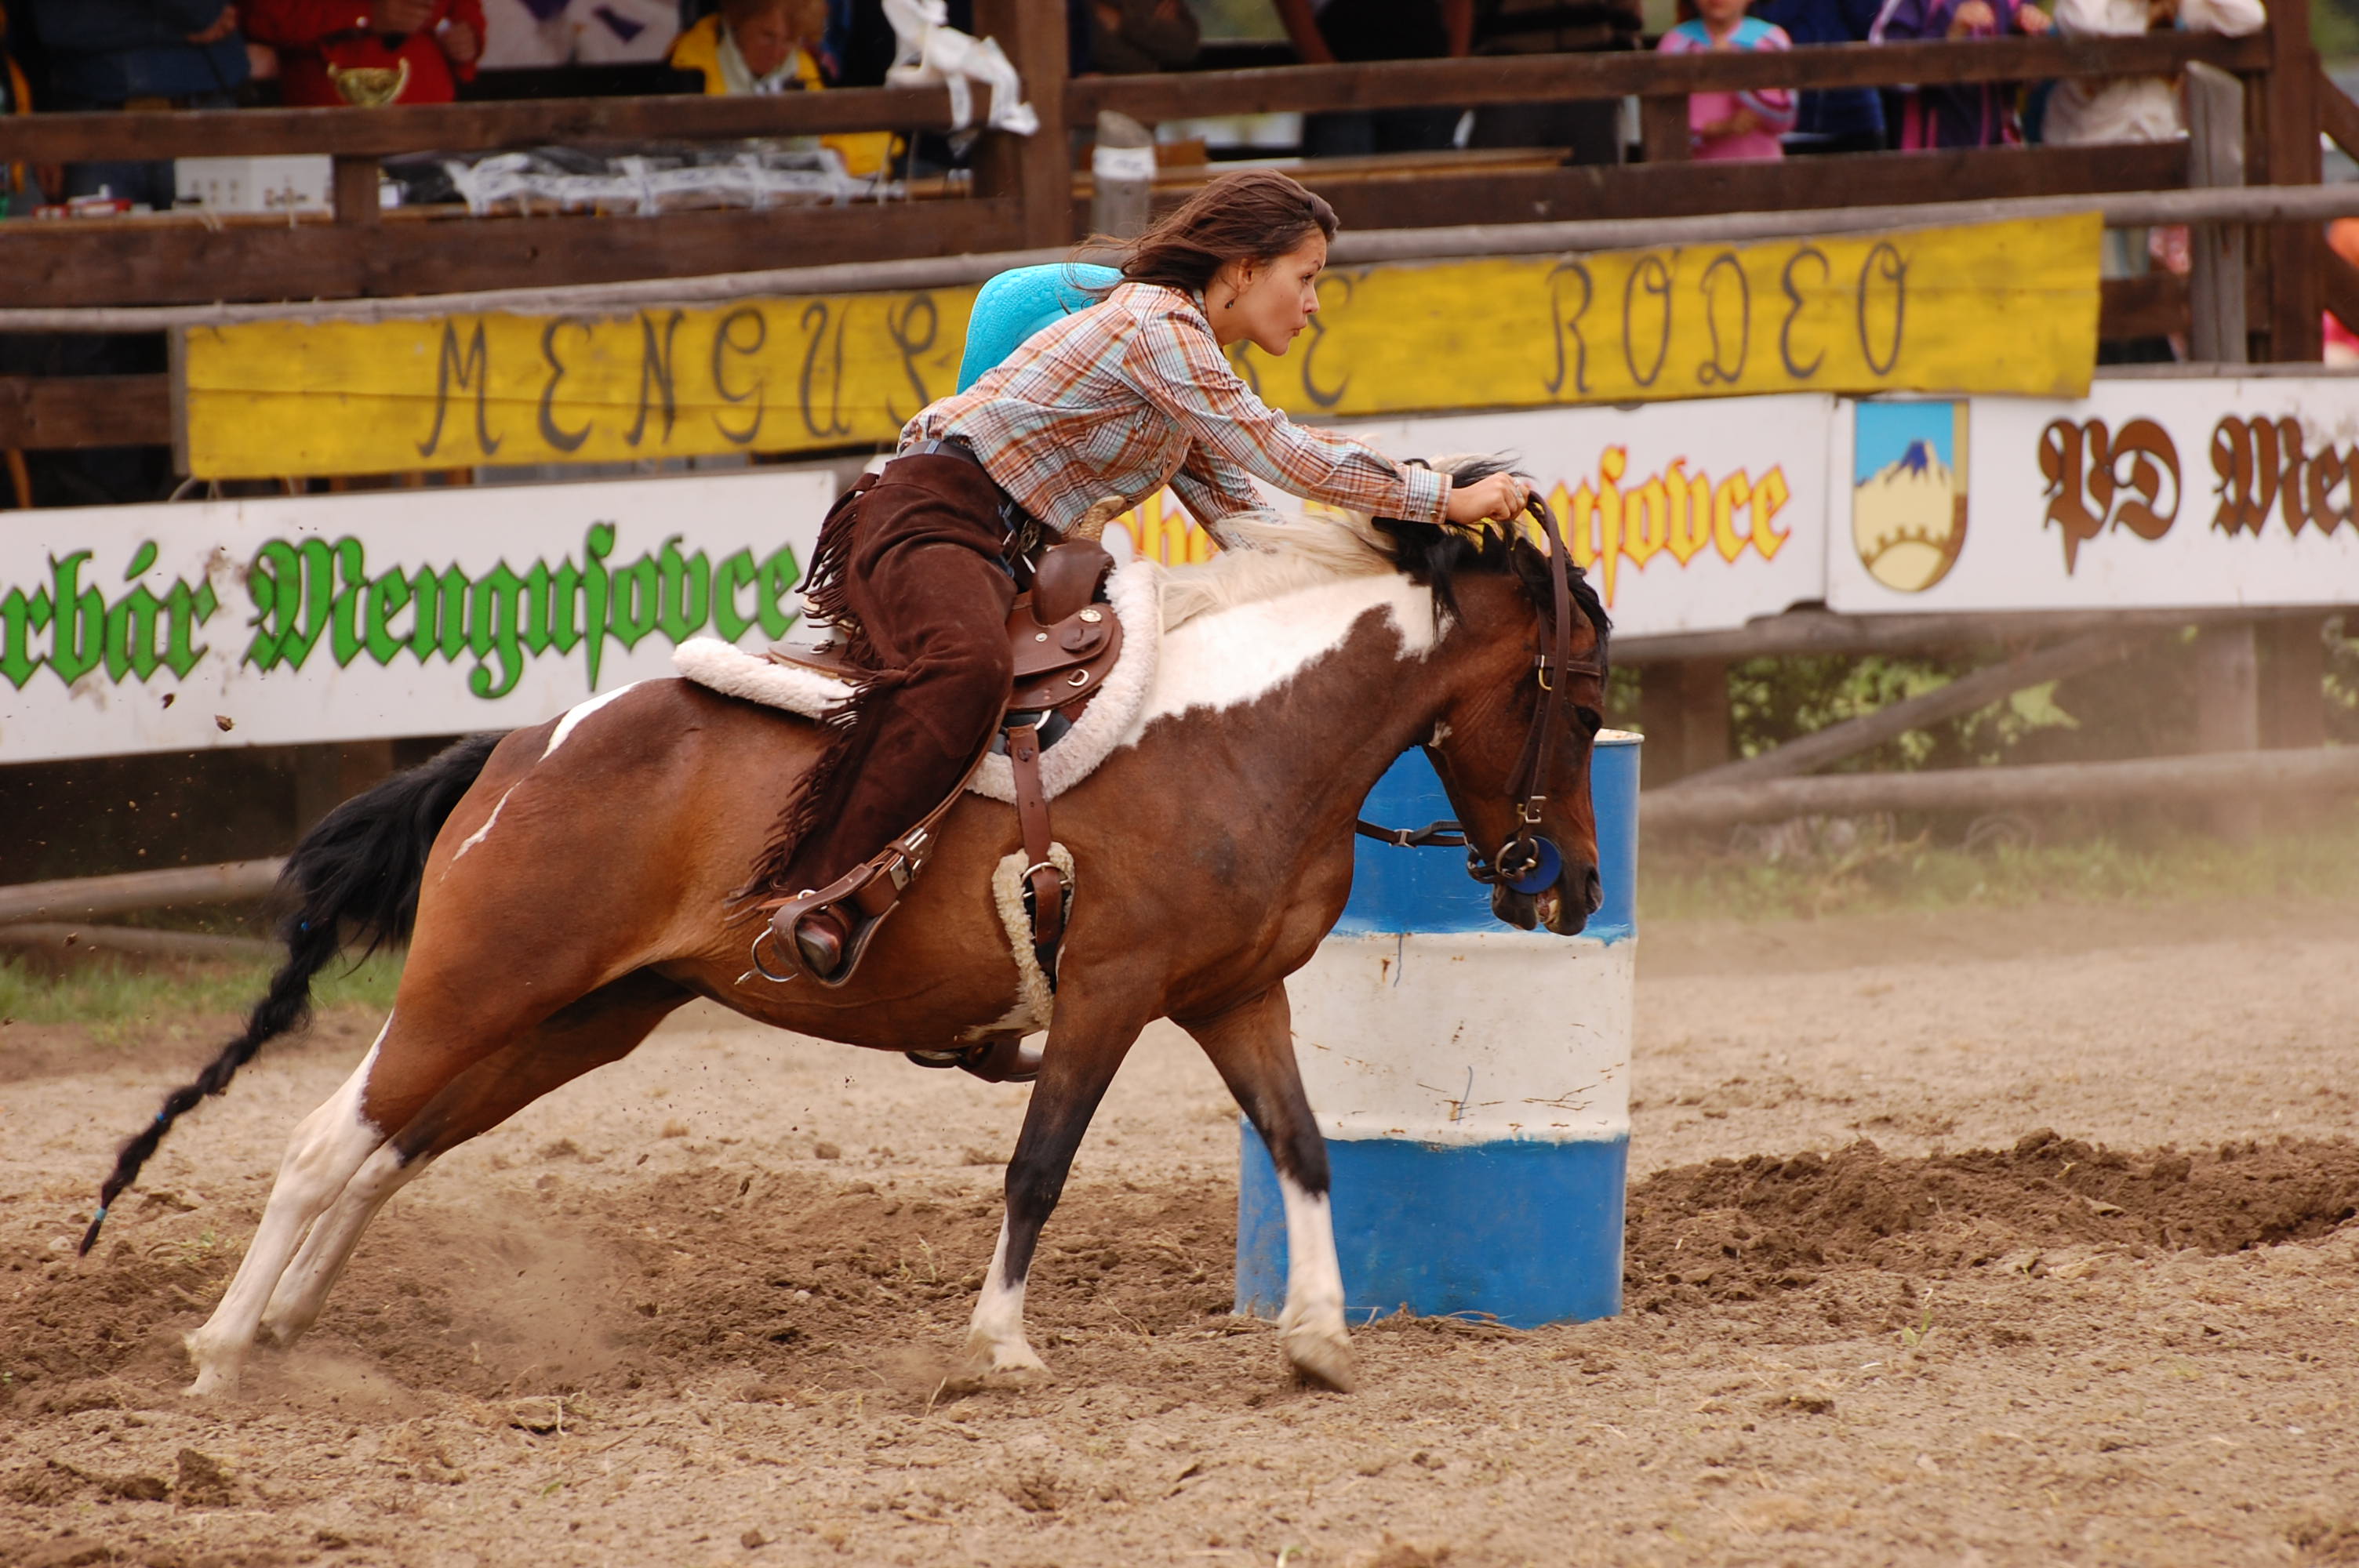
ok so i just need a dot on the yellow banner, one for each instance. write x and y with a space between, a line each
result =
2002 308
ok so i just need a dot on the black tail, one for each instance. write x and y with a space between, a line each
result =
357 874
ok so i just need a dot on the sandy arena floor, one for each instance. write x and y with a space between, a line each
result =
1981 1240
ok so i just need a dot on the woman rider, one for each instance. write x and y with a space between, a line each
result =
1119 399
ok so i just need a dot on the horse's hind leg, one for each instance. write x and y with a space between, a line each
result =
603 1027
328 1147
1252 1045
1087 1042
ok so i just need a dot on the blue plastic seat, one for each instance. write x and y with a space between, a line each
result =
1018 303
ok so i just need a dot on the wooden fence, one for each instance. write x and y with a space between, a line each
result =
1026 193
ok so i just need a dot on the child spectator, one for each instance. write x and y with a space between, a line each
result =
1966 113
1834 119
369 52
1732 125
772 45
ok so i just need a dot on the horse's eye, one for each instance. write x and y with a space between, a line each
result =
1591 719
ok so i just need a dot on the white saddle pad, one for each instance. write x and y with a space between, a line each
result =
1136 592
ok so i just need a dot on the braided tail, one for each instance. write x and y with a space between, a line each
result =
356 874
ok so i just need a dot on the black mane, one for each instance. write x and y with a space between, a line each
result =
1435 557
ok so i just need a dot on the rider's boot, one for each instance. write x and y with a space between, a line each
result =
820 937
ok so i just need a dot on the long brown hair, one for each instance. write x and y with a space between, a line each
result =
1253 214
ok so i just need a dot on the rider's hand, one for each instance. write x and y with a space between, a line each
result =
1494 500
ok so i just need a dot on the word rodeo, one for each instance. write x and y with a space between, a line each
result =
2129 477
310 592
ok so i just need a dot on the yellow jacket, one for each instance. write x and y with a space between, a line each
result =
699 49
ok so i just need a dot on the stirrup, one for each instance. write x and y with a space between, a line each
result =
860 901
1002 1059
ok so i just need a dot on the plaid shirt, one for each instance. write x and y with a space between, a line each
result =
1134 394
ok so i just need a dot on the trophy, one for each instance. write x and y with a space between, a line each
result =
370 86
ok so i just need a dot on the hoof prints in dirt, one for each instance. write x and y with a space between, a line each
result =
1737 1230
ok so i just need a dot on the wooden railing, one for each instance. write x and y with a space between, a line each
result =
1024 194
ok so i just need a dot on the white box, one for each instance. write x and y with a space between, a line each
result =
295 182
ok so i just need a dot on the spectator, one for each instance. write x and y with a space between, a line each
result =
369 52
1837 119
2084 109
772 46
1135 37
118 54
1590 130
1732 125
2342 345
1325 32
1969 113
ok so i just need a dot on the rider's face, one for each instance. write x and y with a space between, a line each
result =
1268 303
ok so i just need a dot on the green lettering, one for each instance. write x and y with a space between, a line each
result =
735 572
20 619
562 598
389 596
78 632
596 544
687 592
185 611
780 572
636 603
440 625
344 633
494 614
131 634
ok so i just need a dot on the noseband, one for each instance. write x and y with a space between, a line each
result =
1528 862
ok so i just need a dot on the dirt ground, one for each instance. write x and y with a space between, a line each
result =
1979 1239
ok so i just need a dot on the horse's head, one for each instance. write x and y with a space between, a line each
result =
1513 745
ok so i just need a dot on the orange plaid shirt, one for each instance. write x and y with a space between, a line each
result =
1134 394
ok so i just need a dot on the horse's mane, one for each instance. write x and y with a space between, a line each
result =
1267 555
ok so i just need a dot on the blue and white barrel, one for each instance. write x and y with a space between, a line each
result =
1473 1081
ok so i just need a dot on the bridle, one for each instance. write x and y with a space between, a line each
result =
1529 863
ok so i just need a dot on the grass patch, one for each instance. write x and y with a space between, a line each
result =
1894 871
113 998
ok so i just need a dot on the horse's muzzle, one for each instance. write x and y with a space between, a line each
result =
1564 906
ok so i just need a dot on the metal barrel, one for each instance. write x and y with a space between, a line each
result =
1472 1081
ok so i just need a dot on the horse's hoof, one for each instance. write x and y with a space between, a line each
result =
1323 1360
1001 1367
213 1382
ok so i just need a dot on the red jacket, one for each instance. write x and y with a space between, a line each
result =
312 35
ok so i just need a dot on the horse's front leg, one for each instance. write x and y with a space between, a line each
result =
1252 1045
1087 1042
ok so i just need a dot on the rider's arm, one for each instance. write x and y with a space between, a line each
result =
1211 490
1174 364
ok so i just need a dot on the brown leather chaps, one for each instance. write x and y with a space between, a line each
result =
923 578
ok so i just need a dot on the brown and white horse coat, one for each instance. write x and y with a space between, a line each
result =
579 891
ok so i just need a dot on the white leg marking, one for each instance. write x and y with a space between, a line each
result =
1310 1329
576 714
994 1340
479 834
328 1147
303 1288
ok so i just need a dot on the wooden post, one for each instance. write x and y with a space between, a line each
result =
328 775
1683 713
2293 682
2215 156
2290 155
354 189
1663 129
1122 176
1038 169
2228 714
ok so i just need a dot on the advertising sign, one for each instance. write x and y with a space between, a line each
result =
2146 494
1907 310
404 613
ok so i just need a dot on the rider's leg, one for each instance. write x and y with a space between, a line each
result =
1252 1045
925 581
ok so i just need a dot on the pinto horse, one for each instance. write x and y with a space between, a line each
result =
566 886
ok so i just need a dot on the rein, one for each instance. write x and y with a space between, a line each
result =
1528 862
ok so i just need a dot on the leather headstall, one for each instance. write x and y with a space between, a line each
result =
1528 862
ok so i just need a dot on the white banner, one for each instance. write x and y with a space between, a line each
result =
2147 494
1687 517
401 613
